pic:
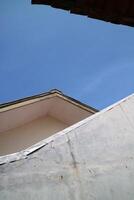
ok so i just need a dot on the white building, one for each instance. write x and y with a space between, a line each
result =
90 160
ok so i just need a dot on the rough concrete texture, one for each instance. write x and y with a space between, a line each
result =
92 160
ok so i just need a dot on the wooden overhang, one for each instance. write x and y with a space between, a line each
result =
115 11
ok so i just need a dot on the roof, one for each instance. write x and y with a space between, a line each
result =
49 94
115 11
119 111
35 118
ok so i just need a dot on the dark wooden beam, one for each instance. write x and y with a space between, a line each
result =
115 11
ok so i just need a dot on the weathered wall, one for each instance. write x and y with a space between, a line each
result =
25 136
92 160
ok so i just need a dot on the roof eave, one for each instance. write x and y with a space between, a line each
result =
109 11
52 93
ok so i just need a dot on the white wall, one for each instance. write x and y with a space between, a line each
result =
23 137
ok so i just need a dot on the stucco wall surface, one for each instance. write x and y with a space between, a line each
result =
92 160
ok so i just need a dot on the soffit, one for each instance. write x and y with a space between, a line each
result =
59 106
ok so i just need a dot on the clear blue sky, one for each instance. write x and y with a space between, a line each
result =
43 48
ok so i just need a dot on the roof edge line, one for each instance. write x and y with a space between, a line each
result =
35 98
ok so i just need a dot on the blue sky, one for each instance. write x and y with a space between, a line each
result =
43 48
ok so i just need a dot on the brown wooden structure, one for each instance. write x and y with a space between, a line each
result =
115 11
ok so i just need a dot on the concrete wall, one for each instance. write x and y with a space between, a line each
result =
25 136
92 160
